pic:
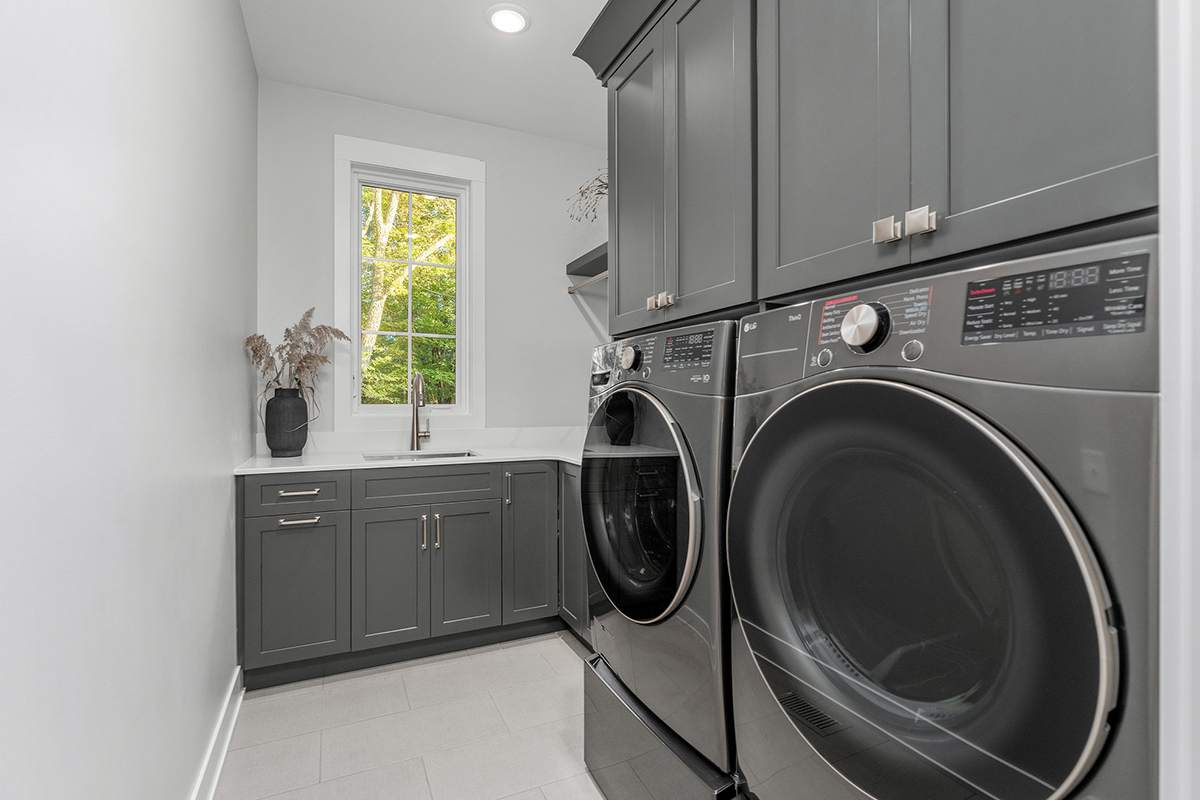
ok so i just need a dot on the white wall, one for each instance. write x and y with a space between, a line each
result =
538 338
1179 190
127 240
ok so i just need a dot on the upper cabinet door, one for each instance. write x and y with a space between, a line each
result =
708 75
1030 116
635 160
833 138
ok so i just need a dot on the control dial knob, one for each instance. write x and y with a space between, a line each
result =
631 357
866 327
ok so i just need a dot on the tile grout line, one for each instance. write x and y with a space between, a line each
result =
425 772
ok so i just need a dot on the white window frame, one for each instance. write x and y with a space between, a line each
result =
358 161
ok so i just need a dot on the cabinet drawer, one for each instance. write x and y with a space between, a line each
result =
405 486
297 493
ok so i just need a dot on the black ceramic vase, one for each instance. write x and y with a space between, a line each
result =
286 423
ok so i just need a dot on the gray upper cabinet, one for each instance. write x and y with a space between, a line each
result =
833 147
530 541
466 568
635 161
681 155
709 82
1030 116
954 125
297 587
390 576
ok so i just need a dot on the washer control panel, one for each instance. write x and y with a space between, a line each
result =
697 359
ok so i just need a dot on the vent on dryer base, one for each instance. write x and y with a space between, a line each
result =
816 719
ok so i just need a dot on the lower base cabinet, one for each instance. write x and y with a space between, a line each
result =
390 576
531 531
334 581
421 571
574 564
466 567
296 587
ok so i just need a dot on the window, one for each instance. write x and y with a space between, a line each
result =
408 275
408 257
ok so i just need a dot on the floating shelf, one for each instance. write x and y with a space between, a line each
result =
592 265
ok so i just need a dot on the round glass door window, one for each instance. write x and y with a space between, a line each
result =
920 599
640 506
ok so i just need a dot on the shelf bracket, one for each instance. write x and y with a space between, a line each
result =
594 279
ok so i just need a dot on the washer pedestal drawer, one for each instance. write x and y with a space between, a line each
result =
631 754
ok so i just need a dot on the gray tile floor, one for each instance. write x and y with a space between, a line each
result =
504 721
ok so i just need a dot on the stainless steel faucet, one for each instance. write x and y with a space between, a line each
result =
417 396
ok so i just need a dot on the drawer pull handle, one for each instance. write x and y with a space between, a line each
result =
508 495
312 521
424 531
305 493
437 537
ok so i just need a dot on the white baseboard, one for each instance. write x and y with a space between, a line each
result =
214 759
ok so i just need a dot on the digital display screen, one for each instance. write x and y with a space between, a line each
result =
689 351
1097 299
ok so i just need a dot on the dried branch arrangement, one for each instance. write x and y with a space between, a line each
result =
585 204
294 364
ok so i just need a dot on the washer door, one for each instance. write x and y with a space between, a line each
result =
641 505
919 598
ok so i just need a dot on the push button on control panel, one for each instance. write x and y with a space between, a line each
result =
912 350
825 358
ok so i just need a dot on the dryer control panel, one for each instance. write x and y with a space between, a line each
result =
1100 298
1082 318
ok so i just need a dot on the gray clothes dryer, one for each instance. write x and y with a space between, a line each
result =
654 482
941 536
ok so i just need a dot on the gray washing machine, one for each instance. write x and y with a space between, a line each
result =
942 536
654 482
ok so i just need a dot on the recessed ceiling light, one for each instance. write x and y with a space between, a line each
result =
508 18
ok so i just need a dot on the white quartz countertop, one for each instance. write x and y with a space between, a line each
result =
320 462
522 447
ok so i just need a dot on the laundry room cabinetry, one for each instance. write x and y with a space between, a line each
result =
574 566
531 541
393 556
1006 120
681 167
297 601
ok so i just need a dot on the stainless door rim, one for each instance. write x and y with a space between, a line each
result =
1070 527
694 503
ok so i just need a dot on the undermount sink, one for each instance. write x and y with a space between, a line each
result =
418 455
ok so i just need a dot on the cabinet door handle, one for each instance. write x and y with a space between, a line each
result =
665 299
652 302
920 220
508 494
424 531
437 533
305 493
886 230
312 521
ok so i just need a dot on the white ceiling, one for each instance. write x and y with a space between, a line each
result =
439 56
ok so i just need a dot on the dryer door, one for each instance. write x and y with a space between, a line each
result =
641 505
919 597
